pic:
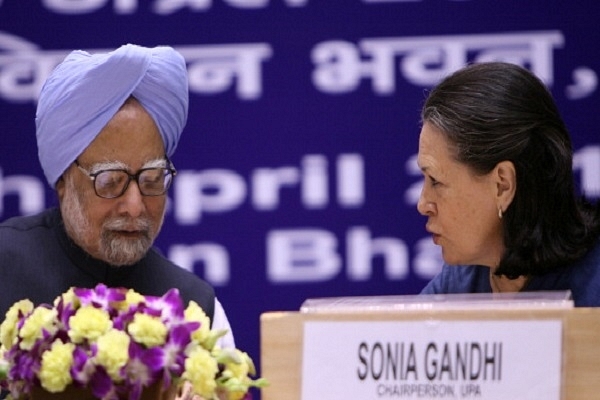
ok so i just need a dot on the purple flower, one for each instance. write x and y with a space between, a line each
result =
83 366
142 365
169 306
101 296
102 386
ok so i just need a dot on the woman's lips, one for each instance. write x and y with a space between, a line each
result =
436 236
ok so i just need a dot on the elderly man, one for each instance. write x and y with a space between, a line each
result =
106 127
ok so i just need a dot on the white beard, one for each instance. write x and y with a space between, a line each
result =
110 245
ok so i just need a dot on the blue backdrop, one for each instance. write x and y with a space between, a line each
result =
297 173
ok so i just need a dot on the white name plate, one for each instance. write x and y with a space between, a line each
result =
382 360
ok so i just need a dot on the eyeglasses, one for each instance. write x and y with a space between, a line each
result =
112 183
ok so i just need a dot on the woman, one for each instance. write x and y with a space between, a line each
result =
499 192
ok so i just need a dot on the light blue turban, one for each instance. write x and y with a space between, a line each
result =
85 91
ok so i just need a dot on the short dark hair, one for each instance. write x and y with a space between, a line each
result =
493 112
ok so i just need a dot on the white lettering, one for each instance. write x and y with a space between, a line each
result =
585 82
126 6
161 7
23 68
219 190
88 6
302 255
214 257
251 4
587 162
212 68
351 180
428 260
310 255
215 190
339 66
361 249
267 183
74 6
165 7
28 189
314 182
412 194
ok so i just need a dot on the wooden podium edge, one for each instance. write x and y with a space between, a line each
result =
281 344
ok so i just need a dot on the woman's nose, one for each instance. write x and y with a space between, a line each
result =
424 205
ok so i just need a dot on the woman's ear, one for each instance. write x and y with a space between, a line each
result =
506 183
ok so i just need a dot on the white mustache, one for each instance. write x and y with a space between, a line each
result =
125 224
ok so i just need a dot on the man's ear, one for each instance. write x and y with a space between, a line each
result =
505 176
60 187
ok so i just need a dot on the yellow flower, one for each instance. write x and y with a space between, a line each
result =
241 369
54 372
148 330
132 298
41 319
68 297
113 352
200 371
195 313
236 394
237 367
88 323
8 329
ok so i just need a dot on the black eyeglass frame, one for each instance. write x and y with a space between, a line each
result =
170 168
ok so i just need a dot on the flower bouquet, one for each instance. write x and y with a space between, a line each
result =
112 344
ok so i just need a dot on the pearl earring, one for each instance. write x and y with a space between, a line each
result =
500 212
